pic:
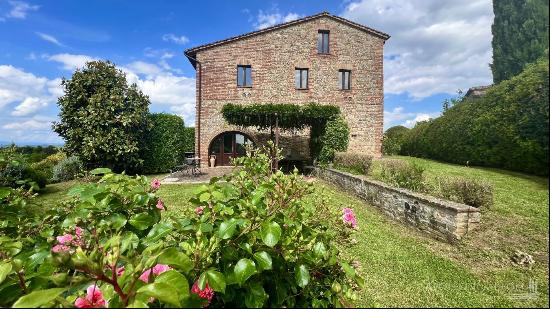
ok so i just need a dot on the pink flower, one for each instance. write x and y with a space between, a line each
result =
78 231
160 204
120 271
207 293
349 217
199 210
157 270
155 184
60 248
94 299
65 239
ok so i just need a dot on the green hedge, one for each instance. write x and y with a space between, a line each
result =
335 139
164 143
189 140
506 128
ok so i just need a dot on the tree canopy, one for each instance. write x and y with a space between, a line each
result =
102 118
520 35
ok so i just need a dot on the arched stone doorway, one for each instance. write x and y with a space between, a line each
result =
228 145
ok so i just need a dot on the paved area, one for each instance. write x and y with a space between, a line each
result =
204 176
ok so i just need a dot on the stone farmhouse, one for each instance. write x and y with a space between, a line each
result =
321 58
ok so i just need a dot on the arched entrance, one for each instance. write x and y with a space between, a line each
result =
229 145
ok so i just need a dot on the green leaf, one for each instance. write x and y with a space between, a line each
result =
117 221
350 272
216 280
204 197
4 192
302 275
256 296
37 298
271 233
228 228
5 269
243 270
319 250
141 221
264 260
129 241
161 291
100 171
176 280
158 231
173 257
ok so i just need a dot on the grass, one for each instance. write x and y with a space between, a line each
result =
403 267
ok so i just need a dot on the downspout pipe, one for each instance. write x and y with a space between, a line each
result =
199 101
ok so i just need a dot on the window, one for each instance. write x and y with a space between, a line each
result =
322 42
244 76
344 79
300 78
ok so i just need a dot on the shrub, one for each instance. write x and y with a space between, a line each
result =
402 174
16 172
251 242
467 191
67 169
506 128
392 140
189 140
164 143
354 161
335 139
46 165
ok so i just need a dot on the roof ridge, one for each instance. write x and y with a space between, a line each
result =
381 34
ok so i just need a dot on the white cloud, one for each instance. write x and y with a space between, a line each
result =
49 38
268 19
35 123
18 86
141 67
436 46
28 106
398 116
170 37
70 61
31 96
20 9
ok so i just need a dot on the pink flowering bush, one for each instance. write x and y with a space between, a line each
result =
349 217
93 299
252 242
206 293
110 237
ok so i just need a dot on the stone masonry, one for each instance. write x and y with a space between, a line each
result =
442 219
273 54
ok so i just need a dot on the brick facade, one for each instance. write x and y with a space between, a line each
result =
274 54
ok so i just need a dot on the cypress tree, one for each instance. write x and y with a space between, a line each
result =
520 35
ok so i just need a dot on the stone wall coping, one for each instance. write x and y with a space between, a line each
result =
454 206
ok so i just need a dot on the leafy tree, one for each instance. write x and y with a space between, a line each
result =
393 138
520 35
102 118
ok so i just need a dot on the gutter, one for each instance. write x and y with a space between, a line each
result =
199 102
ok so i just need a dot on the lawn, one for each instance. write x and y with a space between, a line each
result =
403 267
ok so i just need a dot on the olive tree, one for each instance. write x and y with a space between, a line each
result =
102 118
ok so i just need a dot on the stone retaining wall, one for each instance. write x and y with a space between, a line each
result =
442 219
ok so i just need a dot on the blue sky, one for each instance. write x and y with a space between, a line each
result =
436 48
